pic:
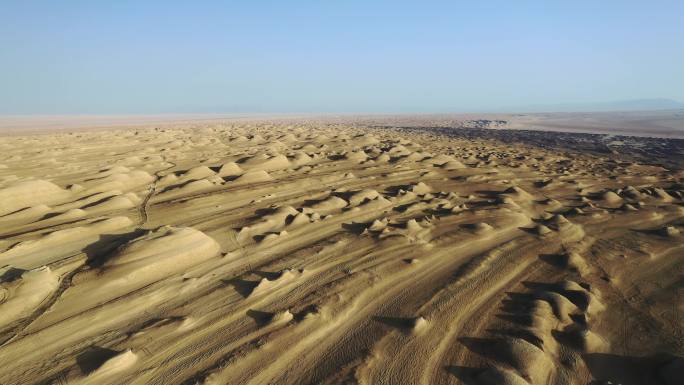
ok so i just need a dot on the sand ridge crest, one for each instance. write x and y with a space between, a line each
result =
366 250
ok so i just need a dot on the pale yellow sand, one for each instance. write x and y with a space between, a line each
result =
329 252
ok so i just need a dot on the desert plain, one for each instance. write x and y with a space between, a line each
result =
343 250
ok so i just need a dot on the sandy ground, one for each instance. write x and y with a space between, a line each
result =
339 252
660 124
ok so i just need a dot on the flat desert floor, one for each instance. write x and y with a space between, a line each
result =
340 251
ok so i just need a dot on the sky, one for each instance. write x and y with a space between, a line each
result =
149 57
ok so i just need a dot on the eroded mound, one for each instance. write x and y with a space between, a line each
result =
339 250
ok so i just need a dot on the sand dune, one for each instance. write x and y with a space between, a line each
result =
339 251
27 193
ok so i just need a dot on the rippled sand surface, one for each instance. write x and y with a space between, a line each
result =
339 251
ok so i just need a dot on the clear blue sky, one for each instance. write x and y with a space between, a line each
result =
334 56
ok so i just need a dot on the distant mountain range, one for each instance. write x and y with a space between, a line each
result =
618 105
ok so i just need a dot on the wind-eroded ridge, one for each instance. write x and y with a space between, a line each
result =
333 253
